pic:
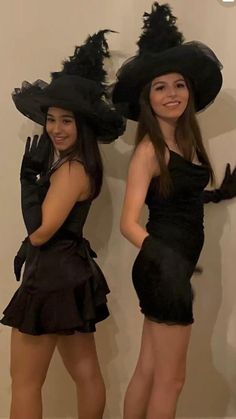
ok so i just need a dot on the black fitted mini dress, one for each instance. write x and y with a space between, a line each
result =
63 290
163 268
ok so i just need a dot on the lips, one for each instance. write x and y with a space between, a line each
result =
172 104
58 140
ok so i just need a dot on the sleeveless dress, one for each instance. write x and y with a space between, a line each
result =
63 290
163 268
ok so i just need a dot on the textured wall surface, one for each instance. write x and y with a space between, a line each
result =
34 38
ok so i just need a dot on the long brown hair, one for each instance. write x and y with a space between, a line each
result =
187 134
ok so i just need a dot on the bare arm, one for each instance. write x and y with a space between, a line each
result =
69 184
143 167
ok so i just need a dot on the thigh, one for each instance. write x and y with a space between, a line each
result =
169 346
145 363
78 352
30 355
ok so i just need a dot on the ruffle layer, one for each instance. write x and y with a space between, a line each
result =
61 312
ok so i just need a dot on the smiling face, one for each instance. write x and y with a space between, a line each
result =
169 96
61 128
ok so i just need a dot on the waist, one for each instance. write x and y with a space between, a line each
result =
64 238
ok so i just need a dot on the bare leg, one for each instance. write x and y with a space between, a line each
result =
139 388
30 358
170 344
79 355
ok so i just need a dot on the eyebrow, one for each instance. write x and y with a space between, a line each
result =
164 82
61 116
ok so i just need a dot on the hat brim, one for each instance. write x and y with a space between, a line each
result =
32 100
195 61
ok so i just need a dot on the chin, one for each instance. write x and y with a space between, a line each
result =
61 147
173 115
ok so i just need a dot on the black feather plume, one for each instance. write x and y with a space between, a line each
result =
159 30
87 60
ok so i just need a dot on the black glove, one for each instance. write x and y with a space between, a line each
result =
227 189
34 163
20 258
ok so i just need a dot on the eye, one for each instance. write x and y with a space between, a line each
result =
49 119
67 121
181 85
159 88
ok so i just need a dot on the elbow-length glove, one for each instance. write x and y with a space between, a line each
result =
34 163
227 189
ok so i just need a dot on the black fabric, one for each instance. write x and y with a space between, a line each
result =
227 189
166 261
161 51
34 161
194 60
20 258
79 87
74 93
63 290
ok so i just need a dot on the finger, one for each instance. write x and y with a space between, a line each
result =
234 172
227 171
227 176
27 145
34 144
43 145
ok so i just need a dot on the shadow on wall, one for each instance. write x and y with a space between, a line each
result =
220 118
206 393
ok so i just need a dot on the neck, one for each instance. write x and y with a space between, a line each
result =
168 129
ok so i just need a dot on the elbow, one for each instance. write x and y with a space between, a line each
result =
124 228
38 238
36 241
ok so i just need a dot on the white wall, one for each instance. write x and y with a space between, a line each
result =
34 37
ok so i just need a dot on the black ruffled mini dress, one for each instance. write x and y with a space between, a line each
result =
164 266
63 290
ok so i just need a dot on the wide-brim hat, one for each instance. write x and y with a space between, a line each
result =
79 87
77 94
193 60
162 50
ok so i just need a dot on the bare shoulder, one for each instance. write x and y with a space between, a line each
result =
72 172
145 154
145 148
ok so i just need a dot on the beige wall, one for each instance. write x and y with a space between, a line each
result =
34 37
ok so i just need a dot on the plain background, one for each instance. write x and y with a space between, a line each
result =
35 36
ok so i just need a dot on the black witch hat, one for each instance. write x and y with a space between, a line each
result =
162 50
79 87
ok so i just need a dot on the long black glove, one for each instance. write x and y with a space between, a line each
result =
20 258
34 163
227 189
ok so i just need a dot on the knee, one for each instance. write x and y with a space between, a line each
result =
144 371
27 380
172 384
86 372
177 384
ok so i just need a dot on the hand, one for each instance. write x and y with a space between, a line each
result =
19 259
227 188
35 158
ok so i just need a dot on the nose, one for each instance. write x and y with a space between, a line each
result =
56 127
172 91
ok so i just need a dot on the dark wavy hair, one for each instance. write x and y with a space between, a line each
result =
187 134
87 151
